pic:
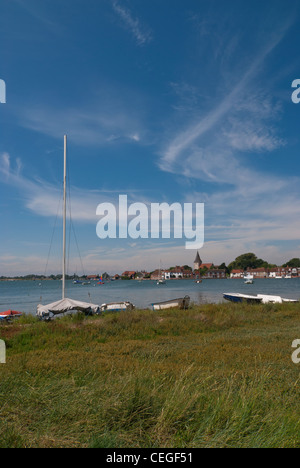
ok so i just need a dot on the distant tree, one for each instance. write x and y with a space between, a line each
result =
203 271
248 260
293 263
224 267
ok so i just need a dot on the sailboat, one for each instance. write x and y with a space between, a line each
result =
248 279
161 279
47 312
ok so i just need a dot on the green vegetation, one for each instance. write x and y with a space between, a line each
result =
249 260
212 376
293 263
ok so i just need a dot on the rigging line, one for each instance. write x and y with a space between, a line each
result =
52 237
54 228
70 211
72 228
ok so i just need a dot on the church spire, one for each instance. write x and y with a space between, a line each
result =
197 262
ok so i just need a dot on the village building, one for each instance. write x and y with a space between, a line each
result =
198 265
93 277
157 275
258 272
215 273
129 274
237 273
280 272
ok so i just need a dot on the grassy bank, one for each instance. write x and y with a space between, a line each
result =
212 376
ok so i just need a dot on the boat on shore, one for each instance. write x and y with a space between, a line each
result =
259 298
117 306
9 315
58 308
47 312
182 303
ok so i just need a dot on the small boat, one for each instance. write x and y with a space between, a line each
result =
248 279
10 314
259 298
182 303
117 306
161 277
198 281
47 312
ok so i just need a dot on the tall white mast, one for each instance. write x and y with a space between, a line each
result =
64 216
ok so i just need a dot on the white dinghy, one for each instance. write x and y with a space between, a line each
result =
259 298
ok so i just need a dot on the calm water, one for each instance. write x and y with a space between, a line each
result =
25 295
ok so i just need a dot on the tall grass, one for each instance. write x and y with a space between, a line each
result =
213 376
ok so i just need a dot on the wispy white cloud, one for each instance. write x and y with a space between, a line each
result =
34 9
109 122
247 207
226 112
45 199
141 33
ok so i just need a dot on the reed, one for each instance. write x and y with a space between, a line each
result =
213 376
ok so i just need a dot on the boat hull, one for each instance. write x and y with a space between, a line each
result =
259 298
9 315
182 303
232 297
117 307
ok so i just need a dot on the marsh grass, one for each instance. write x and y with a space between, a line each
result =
212 376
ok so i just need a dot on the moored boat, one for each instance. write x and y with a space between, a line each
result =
182 303
248 279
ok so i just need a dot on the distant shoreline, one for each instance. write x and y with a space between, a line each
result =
12 280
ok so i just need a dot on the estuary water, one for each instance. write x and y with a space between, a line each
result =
24 296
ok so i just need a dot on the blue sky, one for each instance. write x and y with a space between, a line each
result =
165 101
